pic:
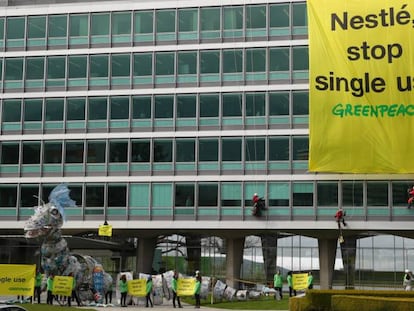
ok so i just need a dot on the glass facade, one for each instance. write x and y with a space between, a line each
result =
166 106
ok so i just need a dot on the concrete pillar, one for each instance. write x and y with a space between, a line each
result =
269 250
327 254
234 260
145 254
193 243
348 251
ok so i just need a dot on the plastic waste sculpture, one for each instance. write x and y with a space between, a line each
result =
56 259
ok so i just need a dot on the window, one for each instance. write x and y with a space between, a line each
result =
57 26
400 193
96 152
13 69
12 111
185 150
118 151
144 23
97 108
209 105
117 195
10 153
121 65
300 103
232 61
300 57
29 195
77 67
279 194
56 68
209 62
162 151
100 24
279 59
278 104
255 16
279 148
121 23
140 151
302 194
186 106
35 68
208 150
299 14
141 107
164 107
353 193
36 27
78 25
255 104
279 15
162 195
142 64
75 109
52 152
98 66
187 63
94 196
119 108
231 194
33 109
184 195
233 18
255 149
8 196
210 19
164 63
377 194
165 21
187 20
300 147
31 153
74 152
15 28
232 105
207 195
54 109
231 149
327 193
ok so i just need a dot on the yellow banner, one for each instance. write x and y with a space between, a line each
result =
300 281
361 86
137 287
62 285
17 279
105 230
185 287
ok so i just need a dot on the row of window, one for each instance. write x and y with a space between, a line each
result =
154 67
185 150
351 194
179 106
185 24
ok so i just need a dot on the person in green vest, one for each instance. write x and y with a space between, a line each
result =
289 279
174 290
310 280
123 289
197 290
49 288
74 295
278 285
149 292
38 285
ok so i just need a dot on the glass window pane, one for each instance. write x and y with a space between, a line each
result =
52 152
12 111
327 193
77 66
57 26
1 28
118 151
75 109
299 14
162 151
96 152
279 194
121 23
208 149
35 68
184 195
377 194
186 106
165 21
300 58
400 193
188 20
207 195
352 193
100 24
54 109
119 108
209 62
255 149
300 147
279 15
143 64
36 27
232 61
164 63
31 153
15 28
164 107
187 63
279 148
210 18
117 195
255 16
79 25
255 104
141 108
98 66
279 59
10 153
13 69
209 105
185 150
231 194
8 196
56 67
231 150
141 151
94 196
29 195
121 65
300 103
302 194
74 152
144 22
162 195
278 104
33 109
256 60
232 105
233 18
97 108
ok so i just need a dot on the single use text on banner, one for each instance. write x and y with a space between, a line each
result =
17 279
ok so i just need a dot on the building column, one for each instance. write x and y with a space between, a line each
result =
269 250
145 254
348 251
327 254
234 261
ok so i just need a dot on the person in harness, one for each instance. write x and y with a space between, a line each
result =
340 217
410 192
258 205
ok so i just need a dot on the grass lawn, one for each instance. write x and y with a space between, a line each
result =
46 307
263 303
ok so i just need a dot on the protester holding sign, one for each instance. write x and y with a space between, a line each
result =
197 290
149 292
123 289
38 285
174 290
310 280
49 288
289 279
